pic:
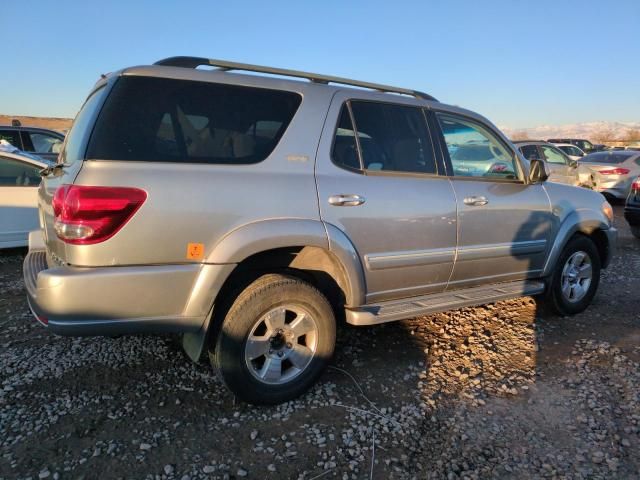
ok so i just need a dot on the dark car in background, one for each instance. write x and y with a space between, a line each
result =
632 208
585 145
44 143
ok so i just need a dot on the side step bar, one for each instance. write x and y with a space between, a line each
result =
441 302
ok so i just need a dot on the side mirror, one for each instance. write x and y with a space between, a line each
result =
573 163
538 172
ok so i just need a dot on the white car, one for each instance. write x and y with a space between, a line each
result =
573 152
19 181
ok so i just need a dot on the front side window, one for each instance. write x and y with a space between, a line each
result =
166 120
553 155
393 138
14 173
474 150
44 143
530 152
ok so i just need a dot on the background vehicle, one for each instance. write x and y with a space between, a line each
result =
44 143
572 151
562 169
224 207
585 145
19 180
632 208
613 171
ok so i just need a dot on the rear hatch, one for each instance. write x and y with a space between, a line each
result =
66 170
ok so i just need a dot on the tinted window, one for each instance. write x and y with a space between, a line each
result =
605 157
73 148
156 119
530 152
345 152
44 143
393 138
14 173
553 155
584 145
570 150
11 136
474 150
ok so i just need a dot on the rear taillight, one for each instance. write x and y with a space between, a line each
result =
635 186
86 215
614 171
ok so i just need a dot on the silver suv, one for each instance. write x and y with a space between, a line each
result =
250 213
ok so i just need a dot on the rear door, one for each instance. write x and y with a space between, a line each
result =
18 201
505 225
382 189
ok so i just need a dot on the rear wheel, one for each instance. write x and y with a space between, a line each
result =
576 277
275 340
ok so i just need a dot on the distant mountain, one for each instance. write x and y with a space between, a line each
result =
597 132
60 124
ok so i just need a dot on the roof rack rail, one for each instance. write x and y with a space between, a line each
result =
194 62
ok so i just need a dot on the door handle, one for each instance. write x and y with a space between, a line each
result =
476 201
346 200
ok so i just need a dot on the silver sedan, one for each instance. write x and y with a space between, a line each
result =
613 171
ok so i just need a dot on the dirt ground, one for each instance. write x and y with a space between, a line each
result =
501 391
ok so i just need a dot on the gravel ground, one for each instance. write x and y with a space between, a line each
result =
495 391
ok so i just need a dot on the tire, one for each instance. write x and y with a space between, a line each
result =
635 231
275 340
569 292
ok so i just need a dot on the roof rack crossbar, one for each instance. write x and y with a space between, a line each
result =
194 62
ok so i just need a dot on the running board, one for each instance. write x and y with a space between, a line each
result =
441 302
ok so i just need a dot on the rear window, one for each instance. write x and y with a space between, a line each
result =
605 157
163 120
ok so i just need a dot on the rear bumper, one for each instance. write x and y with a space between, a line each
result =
121 300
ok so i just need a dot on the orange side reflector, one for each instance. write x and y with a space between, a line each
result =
195 251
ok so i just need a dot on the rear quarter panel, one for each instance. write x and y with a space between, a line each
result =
203 203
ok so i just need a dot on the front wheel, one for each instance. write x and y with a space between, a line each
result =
275 340
576 277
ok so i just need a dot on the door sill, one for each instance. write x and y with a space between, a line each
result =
440 302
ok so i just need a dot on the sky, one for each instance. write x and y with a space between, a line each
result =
520 63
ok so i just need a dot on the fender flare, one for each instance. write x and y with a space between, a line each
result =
264 235
579 221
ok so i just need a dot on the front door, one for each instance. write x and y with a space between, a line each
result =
561 168
382 189
504 224
18 201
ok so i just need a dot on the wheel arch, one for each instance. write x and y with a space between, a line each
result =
593 227
309 249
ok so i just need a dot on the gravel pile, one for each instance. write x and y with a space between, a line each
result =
495 391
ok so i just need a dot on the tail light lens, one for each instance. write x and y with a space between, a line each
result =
614 171
85 215
635 186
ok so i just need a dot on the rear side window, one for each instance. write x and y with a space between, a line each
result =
393 138
11 136
14 173
164 120
530 152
